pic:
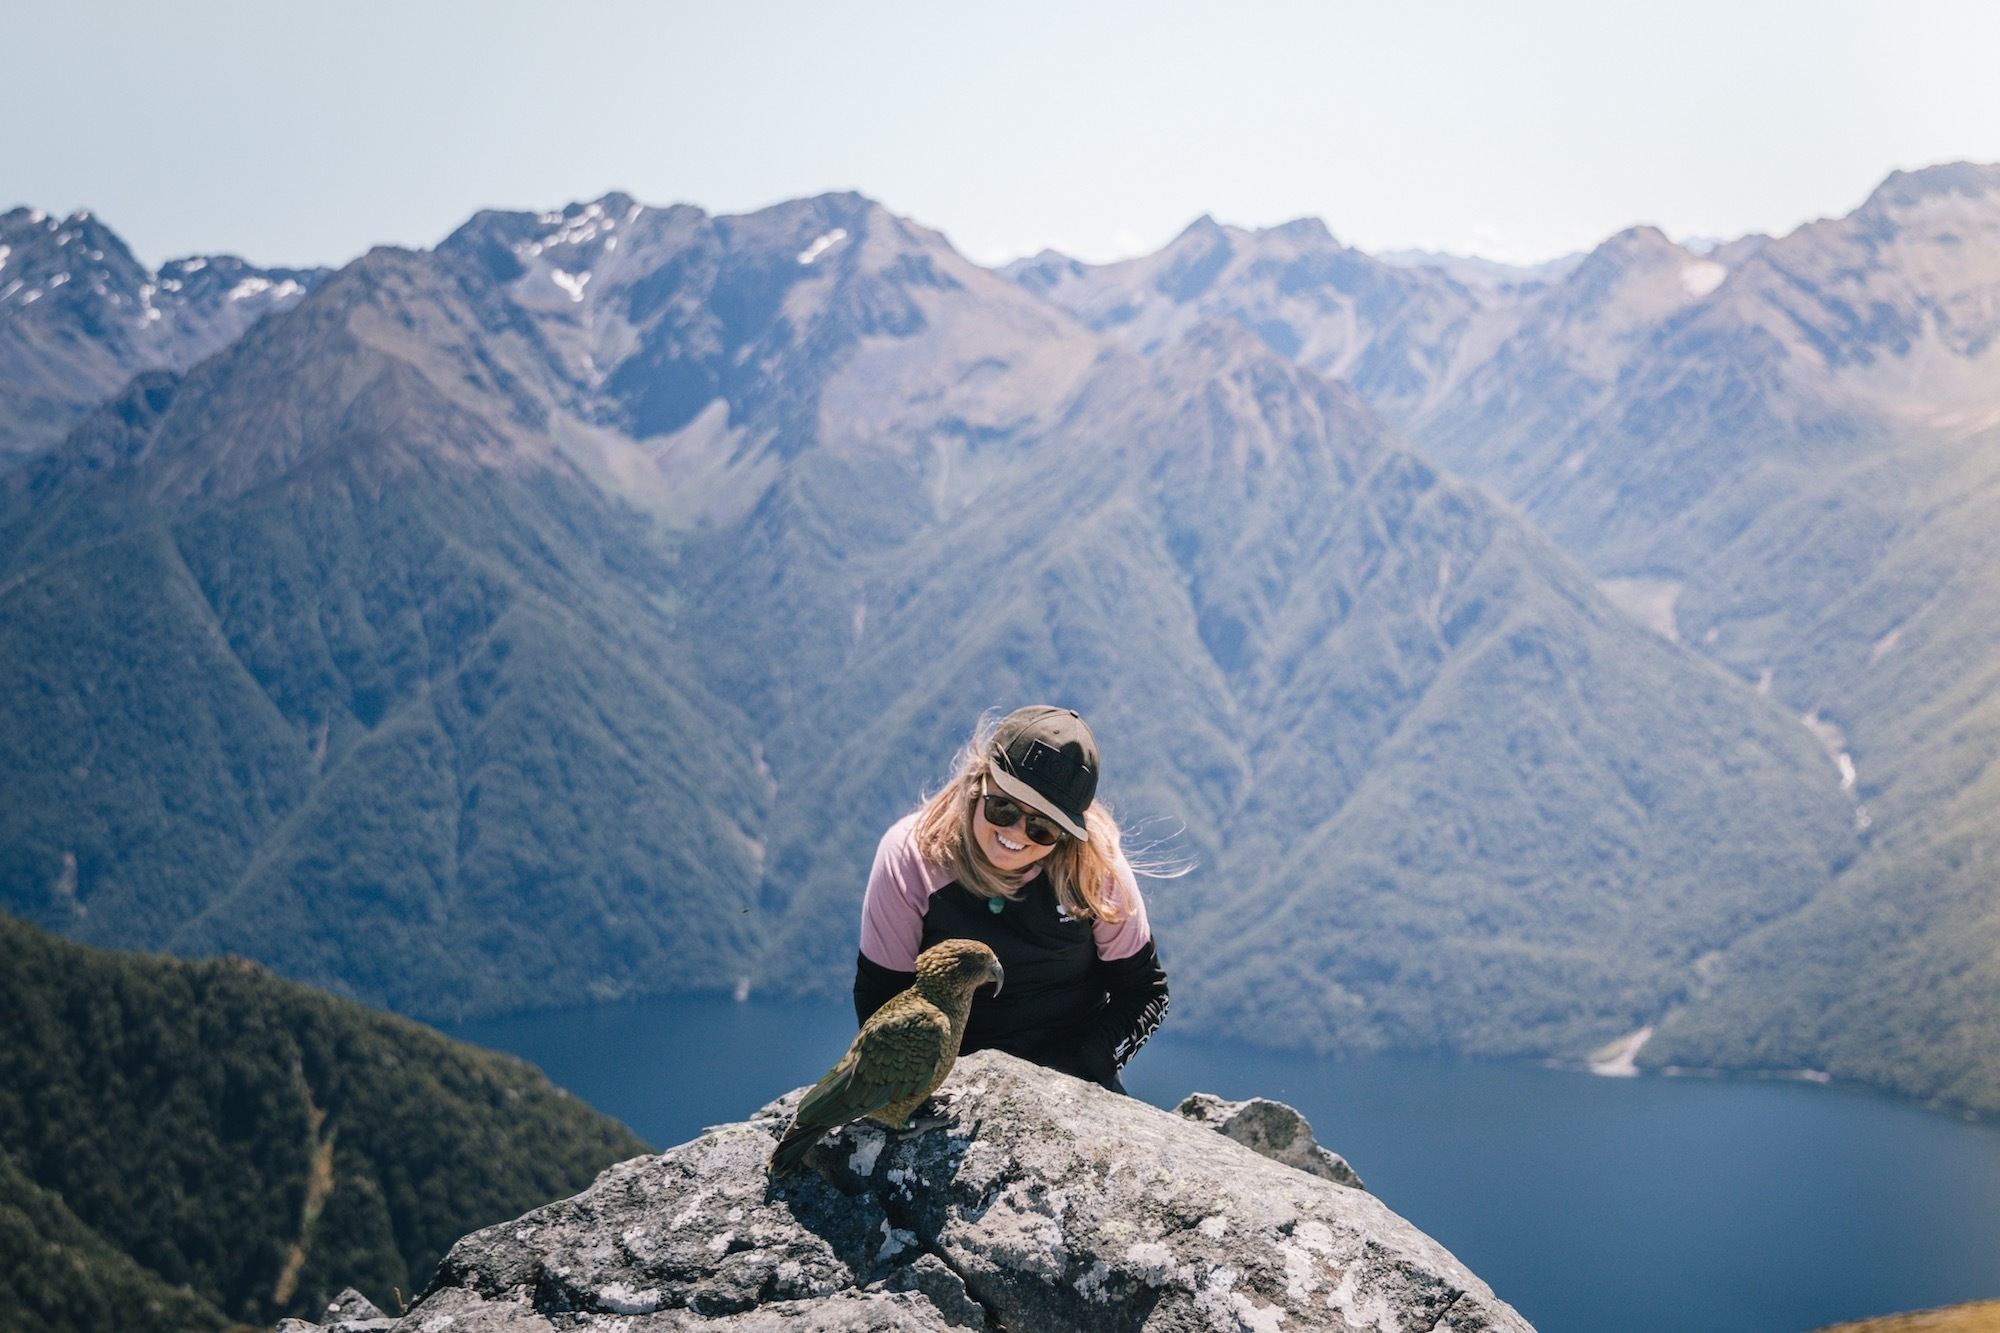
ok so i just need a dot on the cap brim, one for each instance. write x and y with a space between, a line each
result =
1031 798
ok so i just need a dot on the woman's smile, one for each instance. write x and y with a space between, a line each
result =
1009 849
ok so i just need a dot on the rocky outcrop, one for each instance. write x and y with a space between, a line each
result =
1044 1203
1272 1129
350 1311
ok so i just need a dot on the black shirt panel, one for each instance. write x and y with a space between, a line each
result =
876 985
1052 989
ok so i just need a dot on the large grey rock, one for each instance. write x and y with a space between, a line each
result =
1272 1129
1044 1204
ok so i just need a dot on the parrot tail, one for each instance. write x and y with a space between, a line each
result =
793 1147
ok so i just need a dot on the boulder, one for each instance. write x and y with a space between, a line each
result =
351 1312
1043 1203
1272 1129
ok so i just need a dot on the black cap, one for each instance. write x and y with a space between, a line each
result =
1046 758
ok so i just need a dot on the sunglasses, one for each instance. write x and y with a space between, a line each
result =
1005 812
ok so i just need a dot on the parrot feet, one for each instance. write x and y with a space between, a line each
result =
922 1120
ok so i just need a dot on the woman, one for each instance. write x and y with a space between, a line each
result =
1016 853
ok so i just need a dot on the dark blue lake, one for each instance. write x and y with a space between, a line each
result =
1593 1205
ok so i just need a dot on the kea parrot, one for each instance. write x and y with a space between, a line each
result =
901 1054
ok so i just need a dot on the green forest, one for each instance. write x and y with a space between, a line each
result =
189 1145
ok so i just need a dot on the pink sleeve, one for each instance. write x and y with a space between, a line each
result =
1132 932
899 893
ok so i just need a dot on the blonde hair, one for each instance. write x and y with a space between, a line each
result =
1085 875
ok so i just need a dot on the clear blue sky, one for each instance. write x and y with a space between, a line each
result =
295 132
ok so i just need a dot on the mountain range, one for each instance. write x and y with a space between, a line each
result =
1780 451
562 612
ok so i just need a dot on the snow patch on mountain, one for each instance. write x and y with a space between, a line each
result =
822 245
1702 277
277 291
586 226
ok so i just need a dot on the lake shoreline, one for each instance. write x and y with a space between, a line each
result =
742 994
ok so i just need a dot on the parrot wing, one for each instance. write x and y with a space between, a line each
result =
897 1056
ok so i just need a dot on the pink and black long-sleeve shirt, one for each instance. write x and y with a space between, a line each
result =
1081 996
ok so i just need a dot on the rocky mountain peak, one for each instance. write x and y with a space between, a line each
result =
75 264
1889 310
80 229
401 359
1639 240
81 264
1306 231
1042 1203
1902 190
1204 229
1193 260
80 315
1635 278
1044 272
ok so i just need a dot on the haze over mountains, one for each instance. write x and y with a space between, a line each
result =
563 612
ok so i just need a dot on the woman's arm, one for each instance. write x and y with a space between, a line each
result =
1137 987
892 920
1136 1000
1134 982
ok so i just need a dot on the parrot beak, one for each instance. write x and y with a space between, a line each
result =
999 975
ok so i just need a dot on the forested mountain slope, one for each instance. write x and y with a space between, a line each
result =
324 655
1800 464
187 1144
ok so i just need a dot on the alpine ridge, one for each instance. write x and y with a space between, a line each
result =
79 316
